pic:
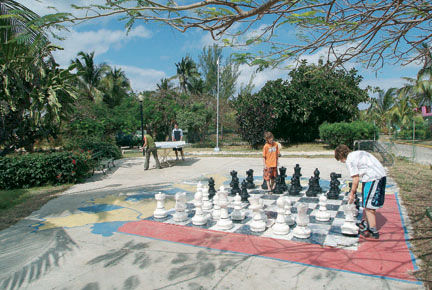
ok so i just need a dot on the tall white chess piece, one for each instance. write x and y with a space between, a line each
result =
302 231
237 214
257 224
207 204
224 223
288 217
280 227
180 214
199 218
349 227
160 211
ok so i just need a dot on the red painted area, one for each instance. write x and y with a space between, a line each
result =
389 256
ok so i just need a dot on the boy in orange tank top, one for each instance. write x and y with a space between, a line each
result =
270 160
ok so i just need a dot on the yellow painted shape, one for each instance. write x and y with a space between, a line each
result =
218 178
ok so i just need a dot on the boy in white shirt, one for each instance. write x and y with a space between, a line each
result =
365 167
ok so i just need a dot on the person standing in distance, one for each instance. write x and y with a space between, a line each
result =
150 147
177 135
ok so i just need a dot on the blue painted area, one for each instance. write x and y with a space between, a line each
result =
106 229
138 197
99 208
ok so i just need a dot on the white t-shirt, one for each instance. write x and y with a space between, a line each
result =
365 165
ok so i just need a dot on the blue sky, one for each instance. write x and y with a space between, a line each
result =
149 52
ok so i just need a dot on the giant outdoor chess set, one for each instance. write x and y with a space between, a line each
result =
292 212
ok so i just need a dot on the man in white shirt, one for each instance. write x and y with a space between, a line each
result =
177 135
365 167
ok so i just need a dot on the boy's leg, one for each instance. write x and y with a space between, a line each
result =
267 178
182 154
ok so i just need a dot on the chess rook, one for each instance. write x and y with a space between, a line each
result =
302 231
160 211
250 179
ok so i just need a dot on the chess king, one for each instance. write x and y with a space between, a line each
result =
364 167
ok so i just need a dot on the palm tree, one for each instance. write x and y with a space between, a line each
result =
186 70
116 87
380 109
403 112
90 76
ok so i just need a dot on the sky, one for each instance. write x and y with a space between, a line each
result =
150 51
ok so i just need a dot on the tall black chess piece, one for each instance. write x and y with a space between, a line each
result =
294 189
212 190
357 199
317 178
312 192
264 184
278 185
250 180
235 187
334 191
297 171
233 174
282 174
244 193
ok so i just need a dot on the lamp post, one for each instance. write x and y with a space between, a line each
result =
216 149
140 98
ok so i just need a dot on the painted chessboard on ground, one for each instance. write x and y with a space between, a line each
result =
323 233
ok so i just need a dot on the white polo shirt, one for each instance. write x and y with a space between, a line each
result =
365 165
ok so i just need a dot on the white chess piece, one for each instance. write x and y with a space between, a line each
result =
224 223
216 208
199 218
280 227
207 204
180 207
302 231
199 186
349 227
257 224
288 217
237 214
160 211
322 215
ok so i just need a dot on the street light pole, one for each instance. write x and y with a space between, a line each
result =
217 109
142 123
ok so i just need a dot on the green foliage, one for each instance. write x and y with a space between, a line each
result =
127 140
107 149
39 169
346 133
422 131
196 120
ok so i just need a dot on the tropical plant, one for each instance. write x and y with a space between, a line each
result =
186 71
115 86
380 108
403 112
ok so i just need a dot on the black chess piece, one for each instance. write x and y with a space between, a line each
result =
264 184
244 193
235 188
212 190
294 189
357 199
233 174
278 185
317 178
282 174
334 190
312 192
250 184
297 171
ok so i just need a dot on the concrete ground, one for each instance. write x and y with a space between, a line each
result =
65 252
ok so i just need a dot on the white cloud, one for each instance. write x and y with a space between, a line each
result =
142 79
100 41
260 78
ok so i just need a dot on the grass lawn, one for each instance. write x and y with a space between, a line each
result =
16 204
415 183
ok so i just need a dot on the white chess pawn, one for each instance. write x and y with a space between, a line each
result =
322 215
257 224
207 204
302 231
224 222
199 218
288 217
349 227
237 214
216 208
280 227
199 186
160 211
180 214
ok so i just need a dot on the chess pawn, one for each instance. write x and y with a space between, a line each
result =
322 215
288 217
199 186
302 231
235 187
318 188
294 190
224 222
237 214
216 208
278 186
160 211
280 227
264 184
180 207
257 224
207 205
199 218
211 186
244 193
282 174
349 227
233 174
311 192
250 184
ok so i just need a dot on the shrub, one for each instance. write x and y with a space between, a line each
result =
127 140
39 169
422 131
107 149
346 133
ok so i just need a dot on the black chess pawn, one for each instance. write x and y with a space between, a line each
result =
244 193
250 184
235 188
311 192
233 174
334 190
317 178
282 174
264 184
294 189
278 185
297 171
212 190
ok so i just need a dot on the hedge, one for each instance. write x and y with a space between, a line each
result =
346 133
108 150
39 169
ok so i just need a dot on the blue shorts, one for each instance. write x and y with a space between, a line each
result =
373 193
